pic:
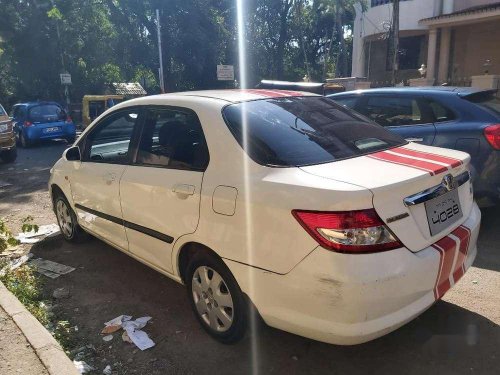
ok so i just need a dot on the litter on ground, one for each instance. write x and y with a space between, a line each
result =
82 367
50 269
132 330
43 232
15 263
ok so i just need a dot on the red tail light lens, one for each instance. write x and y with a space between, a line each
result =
69 119
492 135
27 124
348 232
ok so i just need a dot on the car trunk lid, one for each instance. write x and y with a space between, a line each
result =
399 178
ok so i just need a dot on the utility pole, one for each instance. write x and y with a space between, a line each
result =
162 81
395 41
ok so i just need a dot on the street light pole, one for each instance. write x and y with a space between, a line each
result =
162 81
395 41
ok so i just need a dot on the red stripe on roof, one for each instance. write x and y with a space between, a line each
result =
427 155
427 166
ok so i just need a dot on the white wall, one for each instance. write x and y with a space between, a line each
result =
372 22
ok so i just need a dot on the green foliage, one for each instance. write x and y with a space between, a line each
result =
6 237
28 225
99 42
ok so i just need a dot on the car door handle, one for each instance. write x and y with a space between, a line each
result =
184 189
414 139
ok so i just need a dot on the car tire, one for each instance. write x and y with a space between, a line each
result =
67 221
9 156
23 142
218 302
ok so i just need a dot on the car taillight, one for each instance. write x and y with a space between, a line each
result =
27 123
492 135
348 232
68 120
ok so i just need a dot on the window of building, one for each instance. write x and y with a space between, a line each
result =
409 52
382 2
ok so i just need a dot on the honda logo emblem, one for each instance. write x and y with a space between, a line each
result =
449 182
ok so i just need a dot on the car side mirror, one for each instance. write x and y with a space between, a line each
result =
73 154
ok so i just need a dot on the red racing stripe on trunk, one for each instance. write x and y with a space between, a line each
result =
447 249
427 155
427 166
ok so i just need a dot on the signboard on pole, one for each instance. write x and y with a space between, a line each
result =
65 78
225 72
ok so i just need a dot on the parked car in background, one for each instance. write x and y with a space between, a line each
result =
8 151
461 118
331 226
37 121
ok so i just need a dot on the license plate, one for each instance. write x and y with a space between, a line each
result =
51 130
443 211
3 127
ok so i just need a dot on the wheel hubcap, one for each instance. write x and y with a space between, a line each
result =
212 298
64 218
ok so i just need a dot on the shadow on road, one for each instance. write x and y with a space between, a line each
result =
446 339
488 256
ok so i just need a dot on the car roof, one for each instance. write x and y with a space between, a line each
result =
460 91
31 104
242 95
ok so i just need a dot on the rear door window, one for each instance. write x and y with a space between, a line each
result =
299 131
173 138
394 111
440 112
46 113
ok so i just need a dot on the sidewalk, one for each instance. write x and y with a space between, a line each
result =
26 347
17 356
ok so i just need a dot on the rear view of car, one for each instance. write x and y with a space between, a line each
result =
8 152
39 121
460 118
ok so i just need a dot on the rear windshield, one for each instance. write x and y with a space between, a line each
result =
46 113
299 131
487 101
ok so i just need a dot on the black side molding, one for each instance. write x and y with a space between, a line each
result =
127 224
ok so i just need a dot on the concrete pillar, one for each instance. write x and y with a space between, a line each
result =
431 54
444 55
358 58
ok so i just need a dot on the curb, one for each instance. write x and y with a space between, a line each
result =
46 347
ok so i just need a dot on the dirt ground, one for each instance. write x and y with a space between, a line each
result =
458 335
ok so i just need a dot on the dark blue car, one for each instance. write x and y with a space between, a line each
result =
38 121
461 118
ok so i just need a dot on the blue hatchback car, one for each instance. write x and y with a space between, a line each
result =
461 118
38 121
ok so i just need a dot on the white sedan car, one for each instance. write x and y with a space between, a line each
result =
328 225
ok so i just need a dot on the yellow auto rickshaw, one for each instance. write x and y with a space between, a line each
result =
95 105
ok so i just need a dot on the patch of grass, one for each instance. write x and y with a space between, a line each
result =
26 285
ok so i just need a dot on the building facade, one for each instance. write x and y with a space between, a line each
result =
455 39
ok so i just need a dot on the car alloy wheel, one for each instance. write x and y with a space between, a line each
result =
64 219
212 299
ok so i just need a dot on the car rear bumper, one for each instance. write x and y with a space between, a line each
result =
486 177
38 132
350 299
